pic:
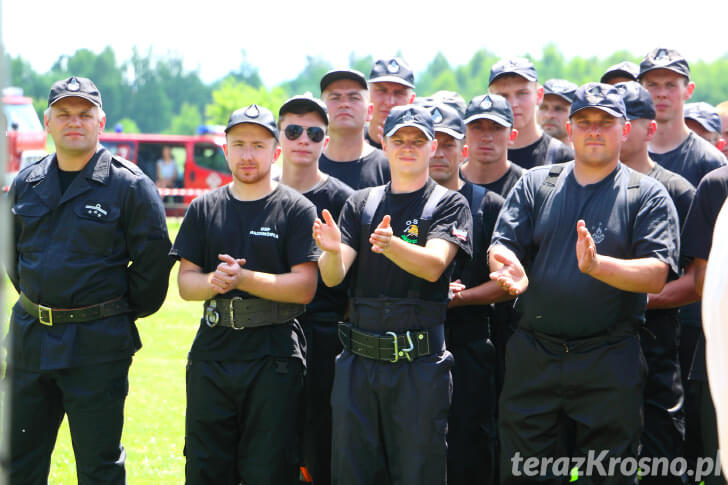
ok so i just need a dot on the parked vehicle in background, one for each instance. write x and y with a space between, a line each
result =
26 136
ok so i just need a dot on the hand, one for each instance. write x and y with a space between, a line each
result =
228 274
455 288
511 276
327 234
586 249
381 238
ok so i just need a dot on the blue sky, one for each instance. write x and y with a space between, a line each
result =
278 35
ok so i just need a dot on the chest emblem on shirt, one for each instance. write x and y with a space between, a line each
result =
96 210
264 232
411 231
599 234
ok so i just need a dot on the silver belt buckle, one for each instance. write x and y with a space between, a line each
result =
212 316
232 312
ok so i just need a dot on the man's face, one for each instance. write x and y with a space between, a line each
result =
250 150
711 136
724 133
487 141
75 125
387 95
408 151
669 92
445 162
597 136
302 151
552 115
640 134
523 96
348 105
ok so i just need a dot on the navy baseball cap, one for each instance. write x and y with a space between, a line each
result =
339 74
561 88
623 69
307 101
637 101
393 70
705 114
490 107
74 86
256 115
452 99
601 96
517 65
409 115
446 119
662 58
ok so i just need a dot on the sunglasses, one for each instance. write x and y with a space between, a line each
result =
314 133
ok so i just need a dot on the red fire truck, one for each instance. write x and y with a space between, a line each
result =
26 137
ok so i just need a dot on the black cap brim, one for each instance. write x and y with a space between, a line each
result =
616 73
391 79
525 76
251 122
451 132
87 97
310 103
333 76
399 126
489 116
674 69
609 111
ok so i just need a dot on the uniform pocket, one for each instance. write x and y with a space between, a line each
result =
95 228
34 230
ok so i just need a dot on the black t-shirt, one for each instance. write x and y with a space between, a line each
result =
475 272
371 140
545 151
503 185
370 170
273 234
450 221
65 178
331 195
692 159
561 300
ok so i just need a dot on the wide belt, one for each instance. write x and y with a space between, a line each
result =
239 313
51 316
392 346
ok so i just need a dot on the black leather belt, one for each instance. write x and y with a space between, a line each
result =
392 346
51 316
239 313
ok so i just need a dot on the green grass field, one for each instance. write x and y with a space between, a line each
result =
155 409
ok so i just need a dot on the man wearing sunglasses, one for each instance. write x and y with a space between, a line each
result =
347 156
392 382
245 249
303 121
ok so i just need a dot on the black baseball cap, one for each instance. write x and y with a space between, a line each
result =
339 74
601 96
637 101
662 58
409 115
256 115
705 114
516 65
490 107
307 101
623 69
561 88
452 99
74 86
446 119
393 70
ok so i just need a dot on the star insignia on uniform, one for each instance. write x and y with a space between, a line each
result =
487 103
436 115
73 85
393 66
252 111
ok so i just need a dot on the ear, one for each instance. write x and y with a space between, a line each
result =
277 153
102 123
626 128
651 130
568 130
465 152
45 120
370 110
225 150
720 144
689 90
412 98
514 135
326 142
434 147
539 95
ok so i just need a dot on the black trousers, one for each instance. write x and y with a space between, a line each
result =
242 423
93 399
705 429
471 435
390 420
322 347
596 387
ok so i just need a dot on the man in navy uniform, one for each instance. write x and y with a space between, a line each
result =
89 258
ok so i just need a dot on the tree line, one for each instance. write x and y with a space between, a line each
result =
153 94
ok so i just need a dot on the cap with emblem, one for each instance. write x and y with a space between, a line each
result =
305 100
447 120
705 114
409 115
560 87
74 86
339 74
600 96
490 107
256 115
452 99
662 58
517 65
637 101
394 70
626 69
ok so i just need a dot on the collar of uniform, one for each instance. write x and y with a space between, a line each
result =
40 170
101 162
